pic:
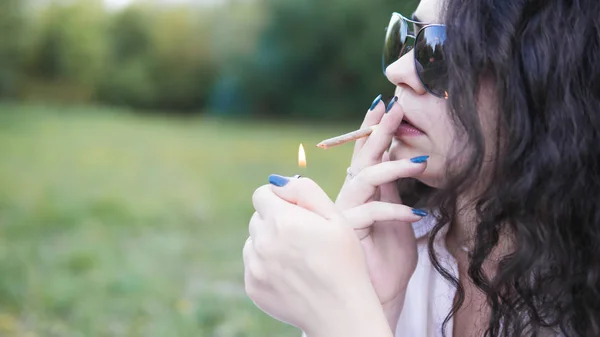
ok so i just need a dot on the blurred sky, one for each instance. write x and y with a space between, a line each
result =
121 3
116 3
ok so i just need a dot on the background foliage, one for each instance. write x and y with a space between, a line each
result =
131 141
279 58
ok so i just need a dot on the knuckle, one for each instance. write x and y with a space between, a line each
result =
258 275
246 252
252 223
259 194
263 247
250 286
257 222
254 271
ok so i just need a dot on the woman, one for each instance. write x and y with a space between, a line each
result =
495 145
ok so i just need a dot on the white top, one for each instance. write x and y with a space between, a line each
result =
429 296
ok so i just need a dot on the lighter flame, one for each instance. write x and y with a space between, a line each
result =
301 156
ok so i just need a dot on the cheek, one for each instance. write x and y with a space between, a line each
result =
439 128
442 134
437 143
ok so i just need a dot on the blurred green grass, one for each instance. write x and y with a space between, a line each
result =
114 224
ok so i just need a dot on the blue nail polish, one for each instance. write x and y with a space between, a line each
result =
391 104
375 102
419 160
278 180
419 212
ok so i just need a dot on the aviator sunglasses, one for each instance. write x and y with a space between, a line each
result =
428 44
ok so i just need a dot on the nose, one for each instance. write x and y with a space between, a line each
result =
403 74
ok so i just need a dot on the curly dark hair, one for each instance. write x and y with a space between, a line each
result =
543 57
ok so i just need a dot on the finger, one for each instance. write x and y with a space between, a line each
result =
246 243
389 192
254 272
247 252
261 234
365 215
305 193
254 225
266 202
372 117
379 141
386 156
364 185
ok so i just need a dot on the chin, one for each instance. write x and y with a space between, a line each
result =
401 150
434 175
431 179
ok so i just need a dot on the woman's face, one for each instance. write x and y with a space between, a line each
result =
423 110
435 133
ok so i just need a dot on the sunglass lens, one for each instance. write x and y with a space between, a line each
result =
395 40
430 59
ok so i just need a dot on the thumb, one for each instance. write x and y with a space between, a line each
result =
303 192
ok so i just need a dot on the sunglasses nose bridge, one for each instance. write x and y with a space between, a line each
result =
402 74
408 45
410 32
402 39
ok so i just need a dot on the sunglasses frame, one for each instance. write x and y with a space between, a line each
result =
414 35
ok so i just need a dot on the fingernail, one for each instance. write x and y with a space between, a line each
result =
375 102
419 160
419 212
278 180
391 104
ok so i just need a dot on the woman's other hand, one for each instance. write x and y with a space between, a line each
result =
371 188
304 263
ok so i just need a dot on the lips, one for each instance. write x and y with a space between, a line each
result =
408 130
407 124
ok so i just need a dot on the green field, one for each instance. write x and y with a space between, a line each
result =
117 224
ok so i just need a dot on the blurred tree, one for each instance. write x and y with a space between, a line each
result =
319 58
185 65
302 59
65 53
159 58
12 23
235 32
127 79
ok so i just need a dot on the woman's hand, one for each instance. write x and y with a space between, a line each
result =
304 264
371 187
